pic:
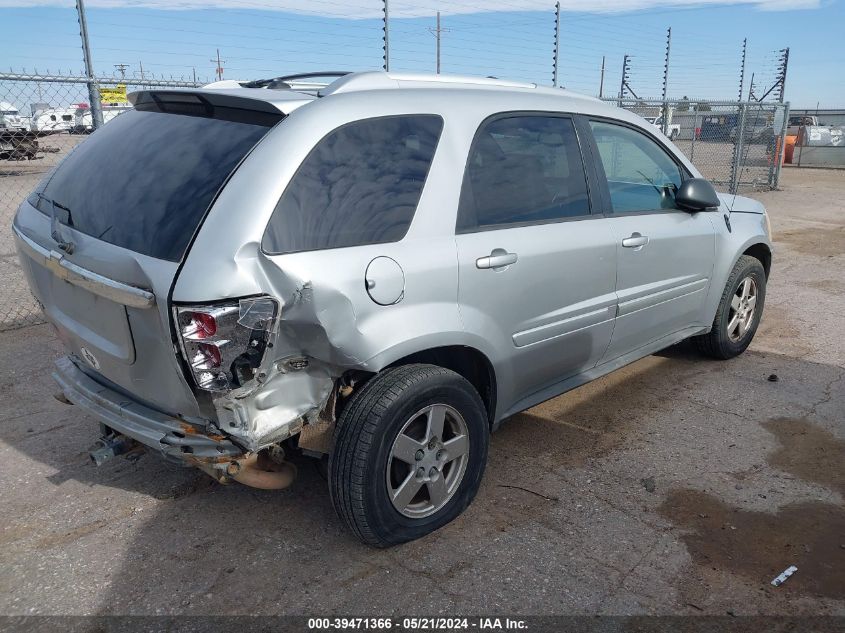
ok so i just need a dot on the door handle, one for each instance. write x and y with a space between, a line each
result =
635 241
498 258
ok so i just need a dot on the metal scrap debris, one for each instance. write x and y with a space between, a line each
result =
777 582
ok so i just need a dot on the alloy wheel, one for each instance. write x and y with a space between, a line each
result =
427 461
743 309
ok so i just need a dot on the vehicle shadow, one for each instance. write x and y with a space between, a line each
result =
157 539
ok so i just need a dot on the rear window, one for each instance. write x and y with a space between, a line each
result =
145 179
359 185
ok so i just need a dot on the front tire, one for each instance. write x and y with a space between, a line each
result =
739 311
410 450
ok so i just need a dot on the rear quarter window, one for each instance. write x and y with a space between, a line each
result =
360 185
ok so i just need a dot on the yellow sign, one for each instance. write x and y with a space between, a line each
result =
114 95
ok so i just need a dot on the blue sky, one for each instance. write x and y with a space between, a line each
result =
513 40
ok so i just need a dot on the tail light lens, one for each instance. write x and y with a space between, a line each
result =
208 357
200 325
224 344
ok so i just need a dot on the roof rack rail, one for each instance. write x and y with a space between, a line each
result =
377 80
282 82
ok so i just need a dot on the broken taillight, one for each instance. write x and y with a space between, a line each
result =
200 324
208 357
224 344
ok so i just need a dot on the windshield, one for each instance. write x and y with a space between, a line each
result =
145 180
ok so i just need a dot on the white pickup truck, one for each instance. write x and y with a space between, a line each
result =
673 130
796 122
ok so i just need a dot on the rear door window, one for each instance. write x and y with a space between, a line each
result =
360 185
145 179
523 169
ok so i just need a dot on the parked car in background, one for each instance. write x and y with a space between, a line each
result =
717 127
796 122
756 125
760 133
377 273
673 131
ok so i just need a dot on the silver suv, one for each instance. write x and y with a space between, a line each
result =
377 272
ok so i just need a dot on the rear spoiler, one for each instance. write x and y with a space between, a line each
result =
239 103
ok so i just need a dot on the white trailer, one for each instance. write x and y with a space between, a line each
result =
53 120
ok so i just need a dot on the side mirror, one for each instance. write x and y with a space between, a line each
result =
696 194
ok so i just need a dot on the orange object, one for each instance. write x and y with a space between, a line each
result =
789 148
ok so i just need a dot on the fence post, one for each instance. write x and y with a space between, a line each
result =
557 45
666 82
93 89
624 82
736 167
774 180
386 35
694 128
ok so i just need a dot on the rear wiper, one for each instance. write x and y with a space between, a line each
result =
56 205
56 225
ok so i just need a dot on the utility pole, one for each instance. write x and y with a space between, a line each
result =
195 76
601 81
751 88
93 89
557 46
121 68
219 69
666 81
742 69
386 36
437 31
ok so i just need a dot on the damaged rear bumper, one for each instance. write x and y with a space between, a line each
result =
173 437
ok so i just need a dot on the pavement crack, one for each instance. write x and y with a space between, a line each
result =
547 498
828 393
633 568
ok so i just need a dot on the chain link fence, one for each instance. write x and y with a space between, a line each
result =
42 118
738 146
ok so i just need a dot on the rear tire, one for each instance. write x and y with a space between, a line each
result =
410 450
739 311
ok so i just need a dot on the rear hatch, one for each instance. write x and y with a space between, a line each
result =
103 236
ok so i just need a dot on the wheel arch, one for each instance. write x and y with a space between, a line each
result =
760 251
465 361
748 237
467 358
